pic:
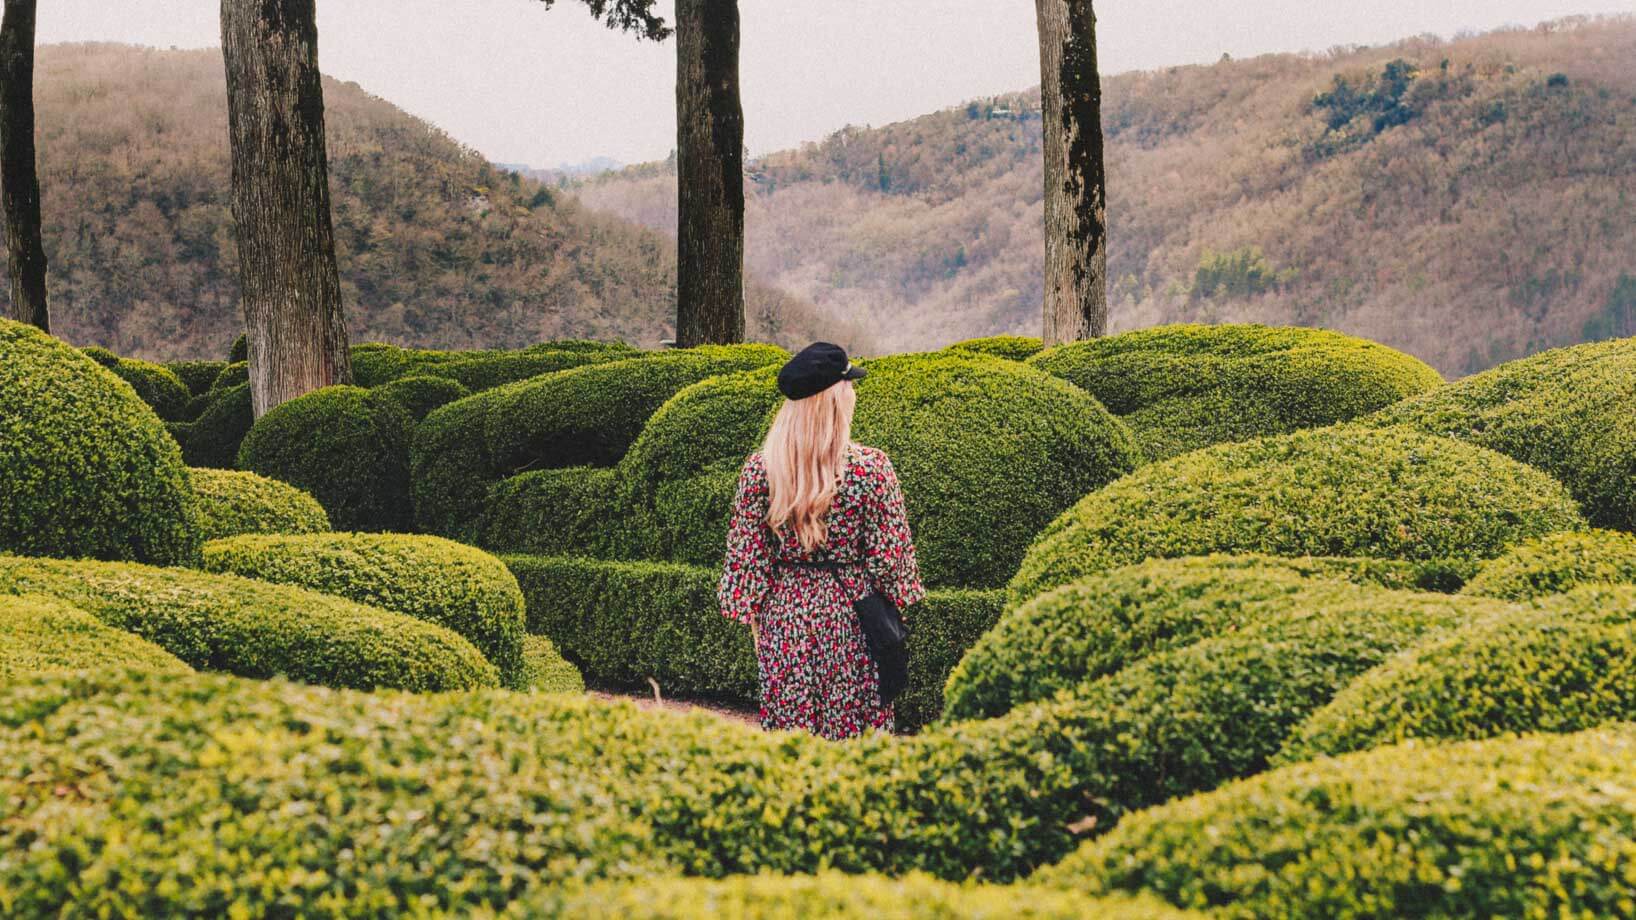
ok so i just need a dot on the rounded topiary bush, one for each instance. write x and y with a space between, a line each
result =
197 376
1184 387
1537 826
1344 491
1103 623
428 578
256 629
234 502
544 669
1557 563
101 355
1569 665
1570 412
376 363
231 376
240 349
213 438
155 385
420 395
347 447
1011 347
40 635
86 469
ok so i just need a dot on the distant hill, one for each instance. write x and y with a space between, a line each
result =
1468 201
437 247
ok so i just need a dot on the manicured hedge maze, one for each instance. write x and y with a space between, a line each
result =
1184 387
232 502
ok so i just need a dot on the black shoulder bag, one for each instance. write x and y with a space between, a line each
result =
885 634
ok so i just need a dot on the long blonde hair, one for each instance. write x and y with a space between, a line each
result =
804 454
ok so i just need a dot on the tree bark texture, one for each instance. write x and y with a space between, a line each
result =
710 174
1076 254
19 180
281 205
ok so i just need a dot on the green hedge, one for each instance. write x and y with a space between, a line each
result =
86 469
231 376
1570 412
155 385
1538 826
1010 347
837 896
420 395
626 622
546 671
429 578
375 364
1100 624
1184 387
1558 563
213 438
255 629
101 355
346 446
584 416
233 502
1570 664
240 349
40 635
1345 491
197 376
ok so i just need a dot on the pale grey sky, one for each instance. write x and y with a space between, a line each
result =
522 84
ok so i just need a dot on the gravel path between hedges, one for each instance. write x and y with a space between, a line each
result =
744 714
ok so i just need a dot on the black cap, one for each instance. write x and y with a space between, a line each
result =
818 367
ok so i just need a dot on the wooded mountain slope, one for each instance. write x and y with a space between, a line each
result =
436 246
1468 201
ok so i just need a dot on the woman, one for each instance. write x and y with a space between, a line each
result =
813 496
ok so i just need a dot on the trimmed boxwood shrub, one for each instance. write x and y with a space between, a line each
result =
625 622
428 578
558 513
1570 412
86 469
233 502
40 635
1557 563
348 447
231 376
197 376
212 440
1537 826
1345 491
546 671
101 355
256 629
1010 347
420 395
374 364
1184 387
155 385
837 896
1569 665
240 349
1103 623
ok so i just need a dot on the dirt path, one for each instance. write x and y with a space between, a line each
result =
745 714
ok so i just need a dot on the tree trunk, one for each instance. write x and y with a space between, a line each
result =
1076 231
281 210
710 174
19 183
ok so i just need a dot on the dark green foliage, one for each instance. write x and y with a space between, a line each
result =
1181 388
86 470
1238 274
1570 412
1345 491
348 447
625 622
234 502
39 635
1558 563
1566 666
212 439
428 578
256 629
197 376
420 395
1618 317
557 513
1103 623
162 390
546 671
239 350
101 355
231 376
1537 826
375 364
1013 347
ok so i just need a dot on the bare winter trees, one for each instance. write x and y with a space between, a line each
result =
709 173
19 183
1076 229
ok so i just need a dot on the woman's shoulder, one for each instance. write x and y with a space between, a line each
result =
870 461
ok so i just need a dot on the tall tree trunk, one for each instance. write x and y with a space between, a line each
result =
710 174
19 183
1076 229
281 210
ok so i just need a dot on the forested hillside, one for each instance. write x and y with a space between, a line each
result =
1467 201
436 246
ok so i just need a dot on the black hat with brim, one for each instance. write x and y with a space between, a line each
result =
815 369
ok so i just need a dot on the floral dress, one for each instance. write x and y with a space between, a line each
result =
815 671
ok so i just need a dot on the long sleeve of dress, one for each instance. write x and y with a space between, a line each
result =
889 546
746 575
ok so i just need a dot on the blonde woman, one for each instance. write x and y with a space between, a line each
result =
818 522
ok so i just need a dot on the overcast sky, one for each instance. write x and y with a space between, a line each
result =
527 85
